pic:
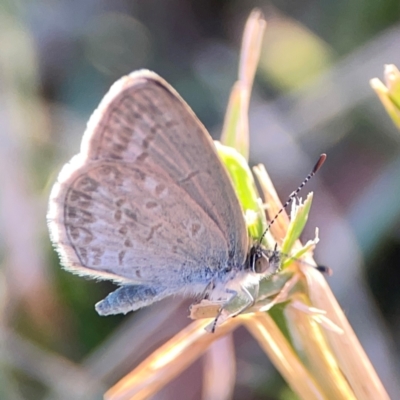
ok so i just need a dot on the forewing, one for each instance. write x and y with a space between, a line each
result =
143 118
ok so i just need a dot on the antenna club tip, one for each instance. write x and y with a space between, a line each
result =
324 270
319 163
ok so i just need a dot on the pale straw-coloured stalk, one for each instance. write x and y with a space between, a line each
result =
316 350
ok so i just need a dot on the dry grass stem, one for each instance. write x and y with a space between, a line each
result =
282 355
235 132
219 369
168 361
347 349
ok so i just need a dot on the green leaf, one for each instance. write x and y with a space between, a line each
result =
298 221
245 188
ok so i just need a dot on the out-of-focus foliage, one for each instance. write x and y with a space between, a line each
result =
311 95
389 95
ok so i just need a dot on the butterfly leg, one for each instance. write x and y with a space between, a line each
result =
251 301
251 298
130 298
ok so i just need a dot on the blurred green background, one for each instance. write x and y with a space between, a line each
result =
59 57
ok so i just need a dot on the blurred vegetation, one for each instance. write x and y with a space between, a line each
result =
311 95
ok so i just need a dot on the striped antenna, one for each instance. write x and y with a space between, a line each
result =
317 166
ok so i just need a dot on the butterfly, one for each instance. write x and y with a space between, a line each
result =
148 204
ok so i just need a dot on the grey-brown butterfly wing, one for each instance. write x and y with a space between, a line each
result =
131 223
190 222
146 118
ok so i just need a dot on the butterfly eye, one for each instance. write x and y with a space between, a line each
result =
261 265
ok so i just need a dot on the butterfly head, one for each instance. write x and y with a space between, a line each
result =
263 261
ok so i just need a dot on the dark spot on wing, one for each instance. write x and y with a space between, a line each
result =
78 195
160 188
130 214
80 216
189 177
96 253
123 230
142 156
152 231
146 143
195 228
151 204
139 175
87 184
121 256
118 215
119 202
81 233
